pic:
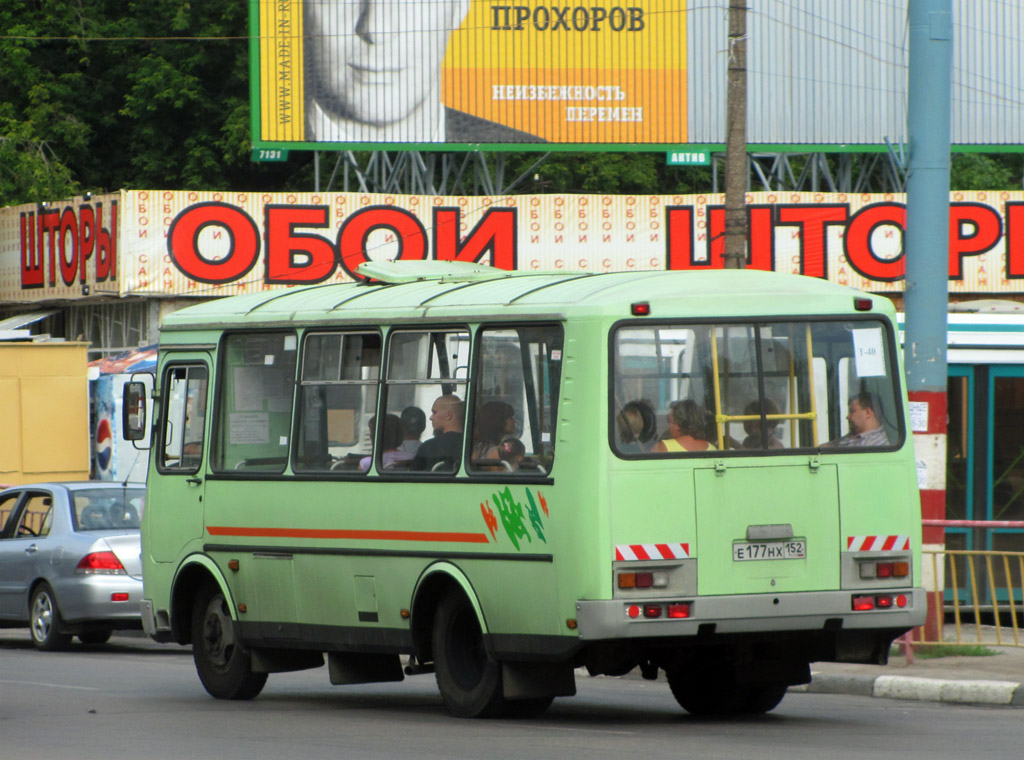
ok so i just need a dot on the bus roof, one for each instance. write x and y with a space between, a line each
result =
433 289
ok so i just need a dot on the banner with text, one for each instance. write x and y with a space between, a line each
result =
204 244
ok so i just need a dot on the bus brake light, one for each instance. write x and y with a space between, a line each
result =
862 603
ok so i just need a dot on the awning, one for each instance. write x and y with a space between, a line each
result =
13 323
142 359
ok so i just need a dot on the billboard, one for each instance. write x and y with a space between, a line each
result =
626 74
435 72
155 243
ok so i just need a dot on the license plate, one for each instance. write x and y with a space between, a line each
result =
769 550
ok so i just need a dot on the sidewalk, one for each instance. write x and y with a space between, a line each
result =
992 680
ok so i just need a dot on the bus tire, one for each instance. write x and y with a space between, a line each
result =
467 677
533 707
707 692
764 698
223 664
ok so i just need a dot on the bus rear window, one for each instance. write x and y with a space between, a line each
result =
758 386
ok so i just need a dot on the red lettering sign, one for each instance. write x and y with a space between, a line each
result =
409 230
1014 240
183 243
297 257
814 222
494 234
983 227
859 244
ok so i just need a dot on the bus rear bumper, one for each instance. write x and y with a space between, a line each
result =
750 614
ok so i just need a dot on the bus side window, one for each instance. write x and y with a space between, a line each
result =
254 402
426 371
183 419
513 421
337 401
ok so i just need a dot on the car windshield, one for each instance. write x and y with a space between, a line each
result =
108 508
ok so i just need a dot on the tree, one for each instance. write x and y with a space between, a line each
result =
102 95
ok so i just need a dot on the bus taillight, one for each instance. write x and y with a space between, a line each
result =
879 602
643 580
884 569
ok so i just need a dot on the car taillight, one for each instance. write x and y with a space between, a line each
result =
100 563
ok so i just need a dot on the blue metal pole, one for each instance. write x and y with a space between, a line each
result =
927 255
927 234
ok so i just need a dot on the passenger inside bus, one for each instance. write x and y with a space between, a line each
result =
413 422
865 415
687 429
753 427
511 452
637 425
442 452
494 420
392 456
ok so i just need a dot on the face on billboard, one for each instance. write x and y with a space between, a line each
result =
377 61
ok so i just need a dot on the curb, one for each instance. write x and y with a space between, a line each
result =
976 692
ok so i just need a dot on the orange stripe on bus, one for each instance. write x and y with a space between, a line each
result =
369 535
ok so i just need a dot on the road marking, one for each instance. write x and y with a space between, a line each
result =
52 685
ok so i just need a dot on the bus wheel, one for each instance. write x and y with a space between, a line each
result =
468 679
762 699
223 665
528 708
708 692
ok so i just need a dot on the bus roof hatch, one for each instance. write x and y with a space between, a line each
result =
397 272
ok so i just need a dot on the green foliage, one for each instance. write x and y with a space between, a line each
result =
100 95
978 171
106 94
928 651
595 172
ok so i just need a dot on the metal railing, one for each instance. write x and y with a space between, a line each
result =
982 601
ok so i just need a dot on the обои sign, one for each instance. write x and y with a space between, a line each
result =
213 244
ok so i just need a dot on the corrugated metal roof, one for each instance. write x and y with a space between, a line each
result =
834 72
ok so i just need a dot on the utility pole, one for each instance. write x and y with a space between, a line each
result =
929 85
736 139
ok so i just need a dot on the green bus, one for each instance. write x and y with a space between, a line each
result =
503 478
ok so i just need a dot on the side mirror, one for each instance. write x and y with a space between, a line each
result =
133 411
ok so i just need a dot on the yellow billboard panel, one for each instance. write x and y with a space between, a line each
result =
468 71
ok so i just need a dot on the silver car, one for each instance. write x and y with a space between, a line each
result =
70 560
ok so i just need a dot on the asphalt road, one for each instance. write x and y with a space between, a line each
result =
136 699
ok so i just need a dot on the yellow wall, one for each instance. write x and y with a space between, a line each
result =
44 412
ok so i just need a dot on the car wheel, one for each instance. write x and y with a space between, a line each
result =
223 664
45 621
467 677
95 638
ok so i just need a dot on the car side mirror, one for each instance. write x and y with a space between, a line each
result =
133 411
